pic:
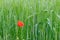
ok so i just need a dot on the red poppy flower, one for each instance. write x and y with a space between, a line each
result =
20 24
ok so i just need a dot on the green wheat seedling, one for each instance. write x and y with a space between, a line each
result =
41 19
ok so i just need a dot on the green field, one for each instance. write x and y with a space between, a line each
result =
41 19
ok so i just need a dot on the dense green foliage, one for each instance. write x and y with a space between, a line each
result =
41 19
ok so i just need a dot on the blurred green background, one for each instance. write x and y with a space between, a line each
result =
41 19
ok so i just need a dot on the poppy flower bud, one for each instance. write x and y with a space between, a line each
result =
20 24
